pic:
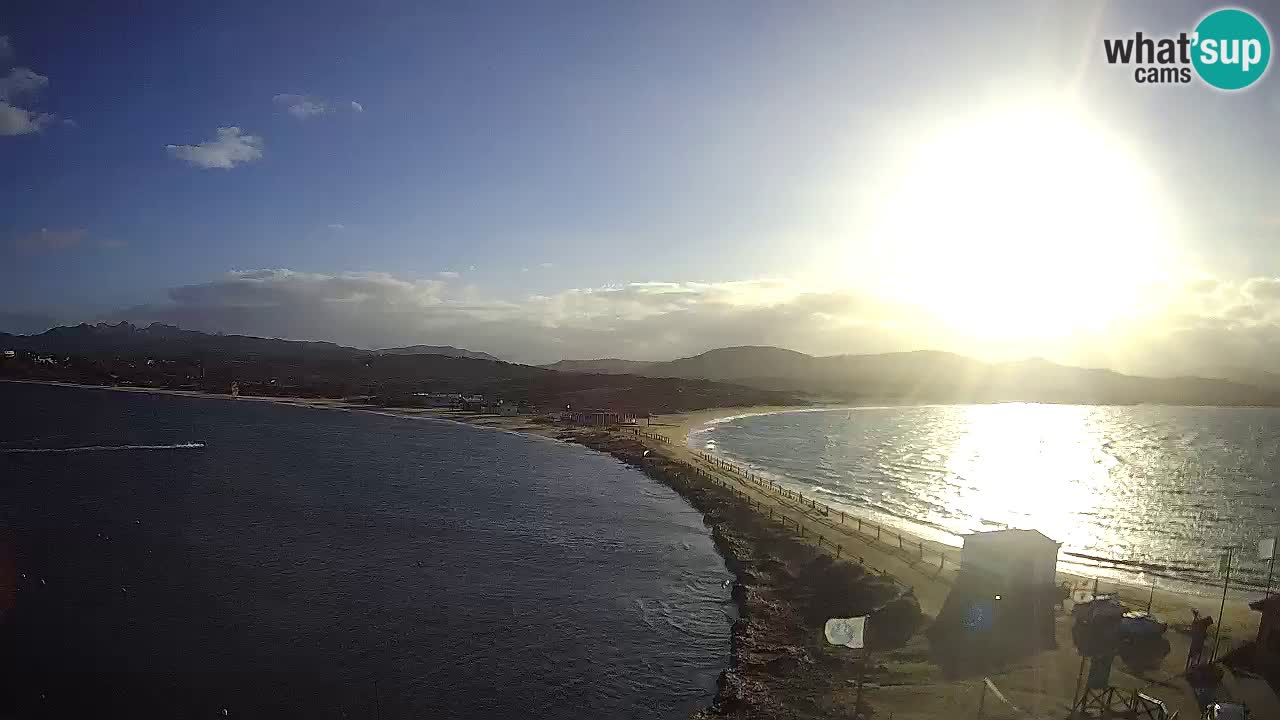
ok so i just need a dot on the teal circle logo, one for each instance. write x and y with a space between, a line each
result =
1232 49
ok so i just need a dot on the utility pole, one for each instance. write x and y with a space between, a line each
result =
1271 567
1217 633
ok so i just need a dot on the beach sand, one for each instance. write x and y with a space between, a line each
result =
1045 683
903 682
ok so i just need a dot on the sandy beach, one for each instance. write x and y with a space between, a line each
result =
745 518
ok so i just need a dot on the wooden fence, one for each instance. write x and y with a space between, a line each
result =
886 536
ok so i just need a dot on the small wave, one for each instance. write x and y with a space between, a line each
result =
103 448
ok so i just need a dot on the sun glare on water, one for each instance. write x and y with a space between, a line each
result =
1028 222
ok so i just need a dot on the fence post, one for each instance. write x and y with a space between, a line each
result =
839 549
841 517
921 549
900 541
877 531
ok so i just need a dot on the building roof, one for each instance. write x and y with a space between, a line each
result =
1021 538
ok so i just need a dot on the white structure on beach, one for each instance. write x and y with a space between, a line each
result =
1006 560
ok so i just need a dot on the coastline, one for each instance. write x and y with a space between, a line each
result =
779 665
679 427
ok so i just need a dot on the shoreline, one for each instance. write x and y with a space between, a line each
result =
677 428
769 566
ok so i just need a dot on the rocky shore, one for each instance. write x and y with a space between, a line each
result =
785 590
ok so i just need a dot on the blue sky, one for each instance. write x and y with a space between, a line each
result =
585 169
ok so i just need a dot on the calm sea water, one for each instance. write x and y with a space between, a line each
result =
1145 484
288 562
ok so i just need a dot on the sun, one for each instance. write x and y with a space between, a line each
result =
1027 222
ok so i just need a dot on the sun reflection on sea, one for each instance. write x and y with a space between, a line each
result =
1030 466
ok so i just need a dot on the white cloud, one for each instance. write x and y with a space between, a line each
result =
20 82
1219 323
231 148
17 121
305 106
301 106
337 227
640 320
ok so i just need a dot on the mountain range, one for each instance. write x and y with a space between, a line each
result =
736 374
161 338
163 356
932 376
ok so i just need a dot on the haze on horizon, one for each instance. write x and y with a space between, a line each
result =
650 182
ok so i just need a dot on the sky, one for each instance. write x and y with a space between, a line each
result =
649 180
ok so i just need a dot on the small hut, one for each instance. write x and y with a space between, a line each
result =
1003 599
1008 562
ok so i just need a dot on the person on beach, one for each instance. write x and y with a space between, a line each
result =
1199 631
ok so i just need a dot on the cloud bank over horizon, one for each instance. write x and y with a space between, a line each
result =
1214 322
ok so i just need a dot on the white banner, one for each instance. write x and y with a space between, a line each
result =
1266 548
846 631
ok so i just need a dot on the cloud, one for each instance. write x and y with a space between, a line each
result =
639 320
301 106
19 83
1225 322
17 121
45 240
337 227
305 106
6 47
231 148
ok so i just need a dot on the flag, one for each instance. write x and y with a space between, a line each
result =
846 631
1266 548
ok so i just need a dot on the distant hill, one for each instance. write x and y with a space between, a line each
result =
603 366
163 356
161 338
446 350
156 338
1247 376
932 376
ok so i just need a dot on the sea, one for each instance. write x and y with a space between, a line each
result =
166 556
1134 493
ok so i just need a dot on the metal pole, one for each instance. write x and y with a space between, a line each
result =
1270 569
1152 596
1217 633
